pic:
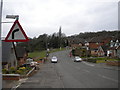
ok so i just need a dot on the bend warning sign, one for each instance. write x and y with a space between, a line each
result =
16 33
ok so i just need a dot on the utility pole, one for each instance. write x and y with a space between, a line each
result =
60 37
1 5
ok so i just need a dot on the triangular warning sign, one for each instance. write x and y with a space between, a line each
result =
16 33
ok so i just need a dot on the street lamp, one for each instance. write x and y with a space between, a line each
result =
1 5
12 17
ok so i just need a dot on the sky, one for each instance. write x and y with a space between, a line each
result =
74 16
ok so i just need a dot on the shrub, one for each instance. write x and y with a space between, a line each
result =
12 70
22 68
19 72
91 60
4 71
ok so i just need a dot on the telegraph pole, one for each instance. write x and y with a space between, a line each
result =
1 5
60 37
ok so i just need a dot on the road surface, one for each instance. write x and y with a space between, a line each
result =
69 74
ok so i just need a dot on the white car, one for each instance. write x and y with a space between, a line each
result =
29 60
33 64
77 59
54 59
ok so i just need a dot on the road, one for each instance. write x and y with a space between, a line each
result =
69 74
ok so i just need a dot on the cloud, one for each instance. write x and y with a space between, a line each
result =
75 16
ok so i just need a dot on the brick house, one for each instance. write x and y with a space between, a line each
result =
94 45
114 49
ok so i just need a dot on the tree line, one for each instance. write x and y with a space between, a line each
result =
57 40
45 41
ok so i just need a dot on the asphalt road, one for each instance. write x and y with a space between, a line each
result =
69 74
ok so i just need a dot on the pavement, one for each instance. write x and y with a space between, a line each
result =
46 77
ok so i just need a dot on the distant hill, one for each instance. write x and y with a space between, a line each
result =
87 36
54 41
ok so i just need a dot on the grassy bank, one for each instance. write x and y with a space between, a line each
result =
39 55
101 59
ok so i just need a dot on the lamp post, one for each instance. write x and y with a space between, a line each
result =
1 5
13 17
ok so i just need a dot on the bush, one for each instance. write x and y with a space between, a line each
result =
19 72
92 60
4 71
22 68
12 70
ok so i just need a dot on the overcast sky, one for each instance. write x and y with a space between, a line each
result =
74 16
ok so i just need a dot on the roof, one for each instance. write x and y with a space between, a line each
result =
105 47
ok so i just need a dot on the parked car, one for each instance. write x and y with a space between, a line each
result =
54 59
33 64
29 60
77 59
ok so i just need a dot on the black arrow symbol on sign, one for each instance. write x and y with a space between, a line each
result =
16 30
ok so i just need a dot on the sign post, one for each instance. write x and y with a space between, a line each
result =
16 34
1 3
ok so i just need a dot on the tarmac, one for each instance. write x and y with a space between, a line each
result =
16 83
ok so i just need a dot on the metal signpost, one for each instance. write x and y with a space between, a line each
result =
16 33
1 3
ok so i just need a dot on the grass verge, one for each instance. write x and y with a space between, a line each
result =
40 55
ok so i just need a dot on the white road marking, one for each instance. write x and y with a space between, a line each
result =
88 64
86 71
108 78
20 82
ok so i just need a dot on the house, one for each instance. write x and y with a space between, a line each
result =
94 45
8 55
115 42
111 52
98 45
21 55
114 49
76 42
105 48
101 52
118 51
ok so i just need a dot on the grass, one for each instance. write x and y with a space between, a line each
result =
56 50
40 55
105 59
37 54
